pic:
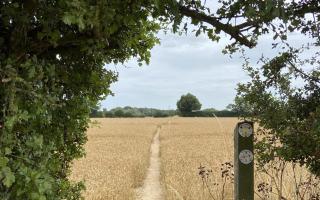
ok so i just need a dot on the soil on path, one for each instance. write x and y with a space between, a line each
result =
151 189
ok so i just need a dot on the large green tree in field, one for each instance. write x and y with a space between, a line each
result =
52 58
187 104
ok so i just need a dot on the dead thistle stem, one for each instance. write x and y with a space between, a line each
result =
204 174
210 193
223 185
226 174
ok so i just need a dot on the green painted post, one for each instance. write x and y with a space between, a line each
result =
243 161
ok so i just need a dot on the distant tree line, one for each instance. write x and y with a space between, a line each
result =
187 106
127 112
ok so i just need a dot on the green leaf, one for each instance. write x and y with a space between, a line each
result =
31 71
7 151
9 177
10 121
68 19
3 161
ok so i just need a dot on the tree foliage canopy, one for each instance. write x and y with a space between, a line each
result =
187 104
52 71
288 112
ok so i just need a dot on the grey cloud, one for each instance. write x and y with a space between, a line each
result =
184 64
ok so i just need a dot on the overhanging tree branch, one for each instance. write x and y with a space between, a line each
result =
233 31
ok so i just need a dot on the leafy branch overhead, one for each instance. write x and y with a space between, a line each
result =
245 21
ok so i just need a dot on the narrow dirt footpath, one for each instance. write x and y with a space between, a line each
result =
151 189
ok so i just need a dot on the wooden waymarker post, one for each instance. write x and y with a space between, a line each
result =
243 161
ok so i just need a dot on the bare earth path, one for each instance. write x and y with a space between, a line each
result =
151 189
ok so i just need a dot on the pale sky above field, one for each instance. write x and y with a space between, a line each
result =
183 64
180 64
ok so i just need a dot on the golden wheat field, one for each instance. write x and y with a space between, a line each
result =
118 153
187 143
117 158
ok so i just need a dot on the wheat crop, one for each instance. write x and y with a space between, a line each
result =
196 156
187 144
117 158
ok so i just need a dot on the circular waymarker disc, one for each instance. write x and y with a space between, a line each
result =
246 156
245 130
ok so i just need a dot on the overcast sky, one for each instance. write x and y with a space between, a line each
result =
183 64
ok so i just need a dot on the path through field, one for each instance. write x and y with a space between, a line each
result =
151 189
